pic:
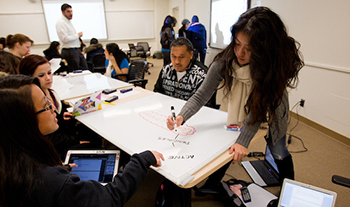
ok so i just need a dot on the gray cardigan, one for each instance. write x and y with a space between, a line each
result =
277 129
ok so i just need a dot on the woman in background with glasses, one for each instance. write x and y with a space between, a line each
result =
31 172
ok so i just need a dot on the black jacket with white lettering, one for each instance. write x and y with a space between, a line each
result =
184 88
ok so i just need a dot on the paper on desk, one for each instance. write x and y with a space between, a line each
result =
260 196
60 84
88 104
55 64
84 72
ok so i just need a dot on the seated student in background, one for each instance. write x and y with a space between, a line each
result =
82 46
93 49
53 52
8 62
64 138
31 166
184 75
2 43
19 45
118 61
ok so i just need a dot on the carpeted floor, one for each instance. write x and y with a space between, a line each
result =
324 158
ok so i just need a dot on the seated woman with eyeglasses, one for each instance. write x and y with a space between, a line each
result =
31 173
65 137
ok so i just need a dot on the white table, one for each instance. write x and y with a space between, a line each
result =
139 125
72 87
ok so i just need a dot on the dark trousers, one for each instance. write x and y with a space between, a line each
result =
202 52
166 58
74 58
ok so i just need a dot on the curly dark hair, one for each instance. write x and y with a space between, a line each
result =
274 64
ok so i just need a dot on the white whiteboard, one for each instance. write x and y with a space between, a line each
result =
132 19
130 24
139 125
223 14
88 17
32 25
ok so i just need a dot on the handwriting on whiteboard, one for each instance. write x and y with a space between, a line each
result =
174 140
181 157
160 120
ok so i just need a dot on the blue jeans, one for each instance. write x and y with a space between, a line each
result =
279 151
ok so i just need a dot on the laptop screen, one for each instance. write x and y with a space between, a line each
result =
299 194
100 167
269 158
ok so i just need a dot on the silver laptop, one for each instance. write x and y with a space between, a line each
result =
294 193
263 172
98 165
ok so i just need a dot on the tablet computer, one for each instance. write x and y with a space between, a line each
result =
98 165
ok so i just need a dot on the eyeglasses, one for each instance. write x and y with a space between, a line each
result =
49 107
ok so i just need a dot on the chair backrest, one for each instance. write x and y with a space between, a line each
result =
144 45
131 46
99 59
98 63
132 50
137 70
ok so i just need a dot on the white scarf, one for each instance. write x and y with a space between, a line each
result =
109 69
241 86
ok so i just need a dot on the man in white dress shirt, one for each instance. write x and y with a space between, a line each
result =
69 39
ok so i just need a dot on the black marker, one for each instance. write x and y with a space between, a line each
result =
174 117
125 90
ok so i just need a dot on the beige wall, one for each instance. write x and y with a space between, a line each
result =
321 27
323 30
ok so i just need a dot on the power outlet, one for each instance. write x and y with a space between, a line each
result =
302 102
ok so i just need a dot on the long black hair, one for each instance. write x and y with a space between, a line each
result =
23 149
53 47
274 64
117 53
168 21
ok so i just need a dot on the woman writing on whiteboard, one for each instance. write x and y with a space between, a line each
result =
256 68
30 166
118 62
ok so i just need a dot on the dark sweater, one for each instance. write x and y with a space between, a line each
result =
58 187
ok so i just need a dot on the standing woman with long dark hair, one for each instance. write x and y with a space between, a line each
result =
257 67
118 61
167 35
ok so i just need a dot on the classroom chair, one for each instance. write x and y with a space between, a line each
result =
98 63
136 73
146 52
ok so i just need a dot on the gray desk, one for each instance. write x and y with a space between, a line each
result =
139 125
83 85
